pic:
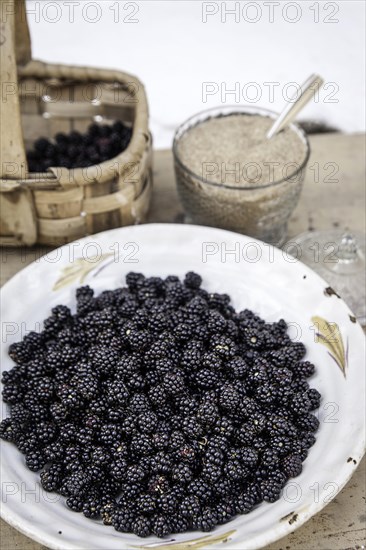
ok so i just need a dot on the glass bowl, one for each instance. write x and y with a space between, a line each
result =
260 211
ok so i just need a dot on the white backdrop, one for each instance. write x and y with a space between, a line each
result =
189 54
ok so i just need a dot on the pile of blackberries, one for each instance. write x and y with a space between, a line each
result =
75 150
158 408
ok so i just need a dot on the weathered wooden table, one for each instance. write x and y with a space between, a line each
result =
333 196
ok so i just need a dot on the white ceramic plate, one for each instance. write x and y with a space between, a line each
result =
256 276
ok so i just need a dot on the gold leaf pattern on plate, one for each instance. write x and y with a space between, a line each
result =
330 336
79 270
189 544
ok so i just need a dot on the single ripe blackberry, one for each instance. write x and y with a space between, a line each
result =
190 506
10 430
51 478
292 465
19 414
244 503
270 490
75 503
174 495
224 511
92 507
303 369
288 356
208 413
161 526
206 379
192 427
147 422
314 397
229 398
182 473
206 520
146 504
201 489
123 519
307 422
300 403
142 526
281 444
174 383
35 460
192 280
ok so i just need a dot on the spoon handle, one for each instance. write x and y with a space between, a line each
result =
308 89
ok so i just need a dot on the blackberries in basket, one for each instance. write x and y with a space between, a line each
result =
77 150
157 407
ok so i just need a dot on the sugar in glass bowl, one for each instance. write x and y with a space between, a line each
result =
229 175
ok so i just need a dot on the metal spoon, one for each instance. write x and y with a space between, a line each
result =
308 90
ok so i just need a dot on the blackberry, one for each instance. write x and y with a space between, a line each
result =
307 422
10 430
303 369
192 428
160 441
206 520
270 490
123 519
300 403
235 471
244 503
12 393
147 422
292 465
211 472
161 526
91 507
216 323
141 445
77 483
75 503
307 439
190 506
158 485
208 414
188 406
224 511
142 526
237 368
192 280
281 444
173 383
146 504
206 379
167 502
249 457
118 469
229 398
288 356
179 524
182 473
35 460
161 463
135 473
314 397
201 489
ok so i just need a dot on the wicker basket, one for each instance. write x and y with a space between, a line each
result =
41 99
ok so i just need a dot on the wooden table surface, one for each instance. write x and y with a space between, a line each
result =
333 196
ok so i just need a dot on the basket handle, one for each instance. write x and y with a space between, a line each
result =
14 48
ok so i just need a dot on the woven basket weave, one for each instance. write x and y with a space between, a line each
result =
41 99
